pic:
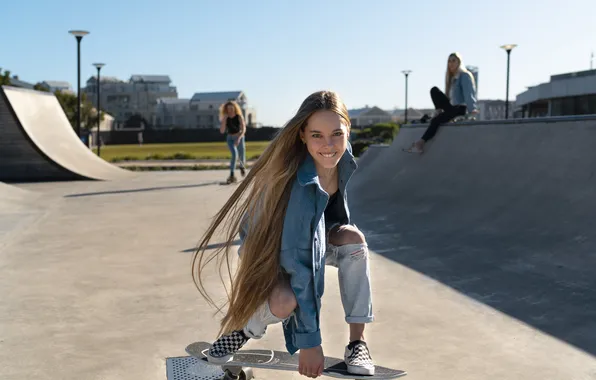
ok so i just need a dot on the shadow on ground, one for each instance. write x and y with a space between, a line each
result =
550 289
157 188
510 225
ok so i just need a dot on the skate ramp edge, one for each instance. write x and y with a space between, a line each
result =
503 212
371 154
45 126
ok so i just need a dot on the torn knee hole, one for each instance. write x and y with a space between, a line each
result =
358 254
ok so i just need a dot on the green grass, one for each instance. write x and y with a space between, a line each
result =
182 151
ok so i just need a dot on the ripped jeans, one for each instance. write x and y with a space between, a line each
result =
352 261
353 264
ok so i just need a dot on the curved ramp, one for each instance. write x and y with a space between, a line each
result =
503 213
37 143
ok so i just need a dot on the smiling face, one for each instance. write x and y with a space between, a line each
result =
326 138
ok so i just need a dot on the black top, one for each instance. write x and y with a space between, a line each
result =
334 212
233 125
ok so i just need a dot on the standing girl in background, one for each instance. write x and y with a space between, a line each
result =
232 123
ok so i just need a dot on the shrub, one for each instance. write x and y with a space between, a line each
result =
182 156
360 146
384 129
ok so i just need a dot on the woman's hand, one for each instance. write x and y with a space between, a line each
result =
222 127
311 362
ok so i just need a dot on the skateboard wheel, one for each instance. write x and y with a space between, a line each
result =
244 374
247 374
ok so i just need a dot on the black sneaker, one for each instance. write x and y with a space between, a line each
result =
459 110
231 179
224 348
242 171
358 359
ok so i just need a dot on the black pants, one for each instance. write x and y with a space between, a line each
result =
449 113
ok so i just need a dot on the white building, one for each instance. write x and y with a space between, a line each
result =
200 111
565 94
360 117
53 86
493 109
137 96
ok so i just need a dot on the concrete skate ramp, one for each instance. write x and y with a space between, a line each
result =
504 213
371 154
37 143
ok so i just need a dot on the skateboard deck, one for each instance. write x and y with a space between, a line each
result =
280 360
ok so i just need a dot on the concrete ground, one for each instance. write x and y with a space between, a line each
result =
97 285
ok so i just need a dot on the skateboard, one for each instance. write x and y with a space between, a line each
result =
279 360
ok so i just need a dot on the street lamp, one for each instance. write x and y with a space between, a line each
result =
98 66
406 73
79 36
508 49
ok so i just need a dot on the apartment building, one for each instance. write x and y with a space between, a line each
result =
138 95
200 111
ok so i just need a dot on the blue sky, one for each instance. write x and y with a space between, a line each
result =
279 51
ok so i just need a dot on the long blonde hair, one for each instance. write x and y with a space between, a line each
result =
461 68
262 198
223 109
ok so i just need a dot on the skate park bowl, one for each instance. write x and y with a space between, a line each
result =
482 259
503 212
39 144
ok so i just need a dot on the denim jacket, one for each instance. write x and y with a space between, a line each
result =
303 247
464 91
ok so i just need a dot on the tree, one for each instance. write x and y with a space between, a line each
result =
40 87
68 101
4 78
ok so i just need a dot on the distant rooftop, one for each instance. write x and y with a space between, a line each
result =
57 84
577 74
222 96
108 79
16 82
151 78
173 101
357 111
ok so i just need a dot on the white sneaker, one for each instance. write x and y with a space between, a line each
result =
413 149
358 359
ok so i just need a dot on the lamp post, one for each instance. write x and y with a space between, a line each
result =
79 36
406 73
508 49
98 66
